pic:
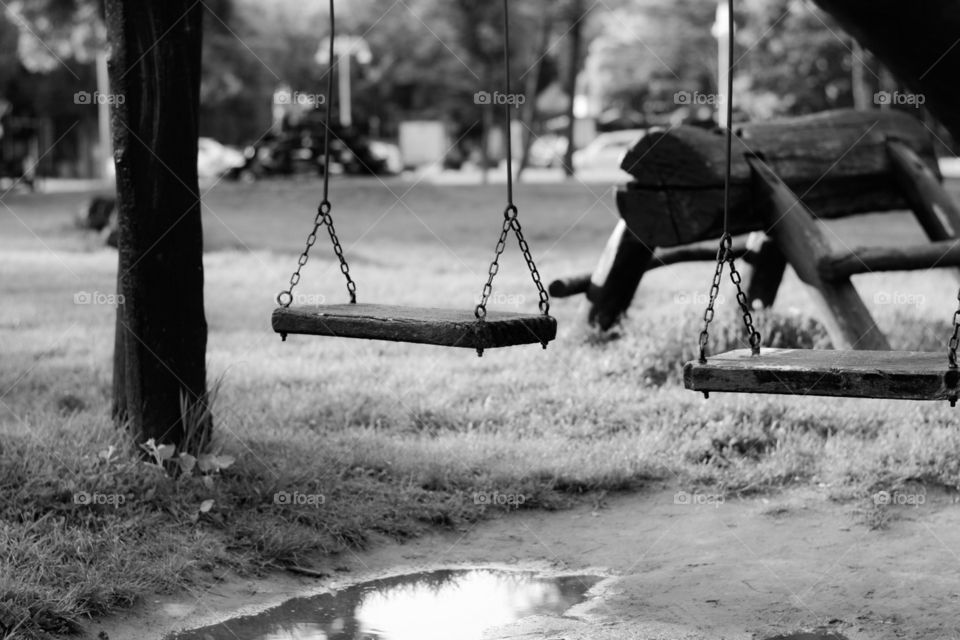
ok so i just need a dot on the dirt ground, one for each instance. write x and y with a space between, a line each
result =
741 569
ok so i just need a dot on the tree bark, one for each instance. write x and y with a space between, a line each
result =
161 331
530 113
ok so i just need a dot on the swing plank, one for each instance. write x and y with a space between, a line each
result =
897 375
423 325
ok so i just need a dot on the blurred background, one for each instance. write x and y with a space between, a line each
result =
408 74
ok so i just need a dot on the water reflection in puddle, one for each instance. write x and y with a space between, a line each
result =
447 605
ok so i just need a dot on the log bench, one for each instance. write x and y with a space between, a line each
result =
836 164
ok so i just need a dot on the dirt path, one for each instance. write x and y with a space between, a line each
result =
752 568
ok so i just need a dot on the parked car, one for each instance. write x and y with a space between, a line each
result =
607 150
547 151
215 159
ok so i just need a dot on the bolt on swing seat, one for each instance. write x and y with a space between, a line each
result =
477 329
876 372
422 325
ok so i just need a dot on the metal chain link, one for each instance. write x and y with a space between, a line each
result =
955 338
511 221
323 218
725 255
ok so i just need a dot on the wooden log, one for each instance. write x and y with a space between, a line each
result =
617 276
900 375
444 327
945 253
933 207
837 161
804 244
918 43
662 257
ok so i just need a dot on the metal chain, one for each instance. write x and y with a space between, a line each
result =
725 254
510 220
323 217
955 338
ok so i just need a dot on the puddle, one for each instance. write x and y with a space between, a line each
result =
447 605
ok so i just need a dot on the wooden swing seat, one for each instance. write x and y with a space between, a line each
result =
423 325
898 375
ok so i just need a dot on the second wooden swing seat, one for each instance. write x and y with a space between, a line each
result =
875 372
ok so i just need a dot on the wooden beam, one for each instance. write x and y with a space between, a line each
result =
936 211
617 276
945 253
796 232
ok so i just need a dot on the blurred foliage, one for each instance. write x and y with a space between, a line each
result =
429 57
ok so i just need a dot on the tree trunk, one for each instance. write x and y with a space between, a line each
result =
576 40
529 114
161 331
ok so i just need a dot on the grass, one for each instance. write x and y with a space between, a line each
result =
398 439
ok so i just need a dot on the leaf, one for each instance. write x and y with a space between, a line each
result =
187 462
206 505
208 482
166 451
205 463
223 462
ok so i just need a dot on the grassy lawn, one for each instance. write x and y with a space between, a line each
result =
396 439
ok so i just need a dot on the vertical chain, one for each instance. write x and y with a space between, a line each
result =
955 338
323 217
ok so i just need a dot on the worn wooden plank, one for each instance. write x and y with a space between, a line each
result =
445 327
945 253
901 375
803 242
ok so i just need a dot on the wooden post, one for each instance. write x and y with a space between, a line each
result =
617 276
793 227
161 331
931 204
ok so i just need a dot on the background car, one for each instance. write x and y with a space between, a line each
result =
215 159
606 151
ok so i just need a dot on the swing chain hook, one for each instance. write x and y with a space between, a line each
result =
725 255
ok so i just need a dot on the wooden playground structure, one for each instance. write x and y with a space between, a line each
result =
785 175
